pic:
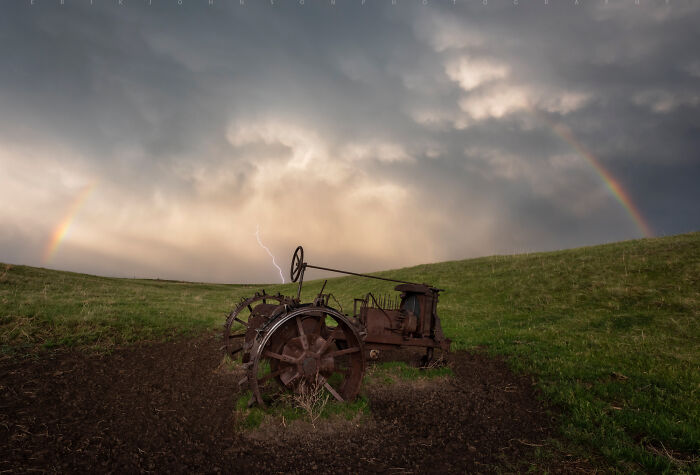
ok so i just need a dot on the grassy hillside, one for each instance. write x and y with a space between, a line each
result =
611 333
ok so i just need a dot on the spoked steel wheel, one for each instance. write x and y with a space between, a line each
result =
309 347
248 315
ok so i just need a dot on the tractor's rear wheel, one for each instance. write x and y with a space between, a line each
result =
307 350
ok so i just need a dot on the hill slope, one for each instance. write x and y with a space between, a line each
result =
610 332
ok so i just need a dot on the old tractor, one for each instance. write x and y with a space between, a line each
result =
286 345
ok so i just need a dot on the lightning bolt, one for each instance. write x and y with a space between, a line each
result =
257 236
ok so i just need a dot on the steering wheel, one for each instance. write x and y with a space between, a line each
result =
297 264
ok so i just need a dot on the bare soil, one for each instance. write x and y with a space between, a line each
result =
169 407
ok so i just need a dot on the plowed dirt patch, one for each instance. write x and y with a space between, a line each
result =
169 407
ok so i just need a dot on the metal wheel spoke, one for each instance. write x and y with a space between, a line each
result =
333 391
245 324
346 351
285 358
295 377
329 341
274 374
302 335
319 327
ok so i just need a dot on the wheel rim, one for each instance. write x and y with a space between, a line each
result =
239 328
301 350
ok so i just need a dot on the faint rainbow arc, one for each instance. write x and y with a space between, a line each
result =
610 181
60 231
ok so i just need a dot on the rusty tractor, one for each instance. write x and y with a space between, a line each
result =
286 345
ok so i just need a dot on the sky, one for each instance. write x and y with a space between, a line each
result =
174 140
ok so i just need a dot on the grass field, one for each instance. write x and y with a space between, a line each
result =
611 333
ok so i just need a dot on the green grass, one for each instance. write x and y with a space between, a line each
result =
252 417
46 308
611 333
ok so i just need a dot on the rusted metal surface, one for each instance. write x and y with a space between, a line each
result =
288 345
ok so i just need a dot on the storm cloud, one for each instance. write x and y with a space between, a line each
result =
377 135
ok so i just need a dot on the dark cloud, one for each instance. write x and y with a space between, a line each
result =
192 115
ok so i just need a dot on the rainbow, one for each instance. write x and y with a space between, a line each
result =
610 182
60 231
